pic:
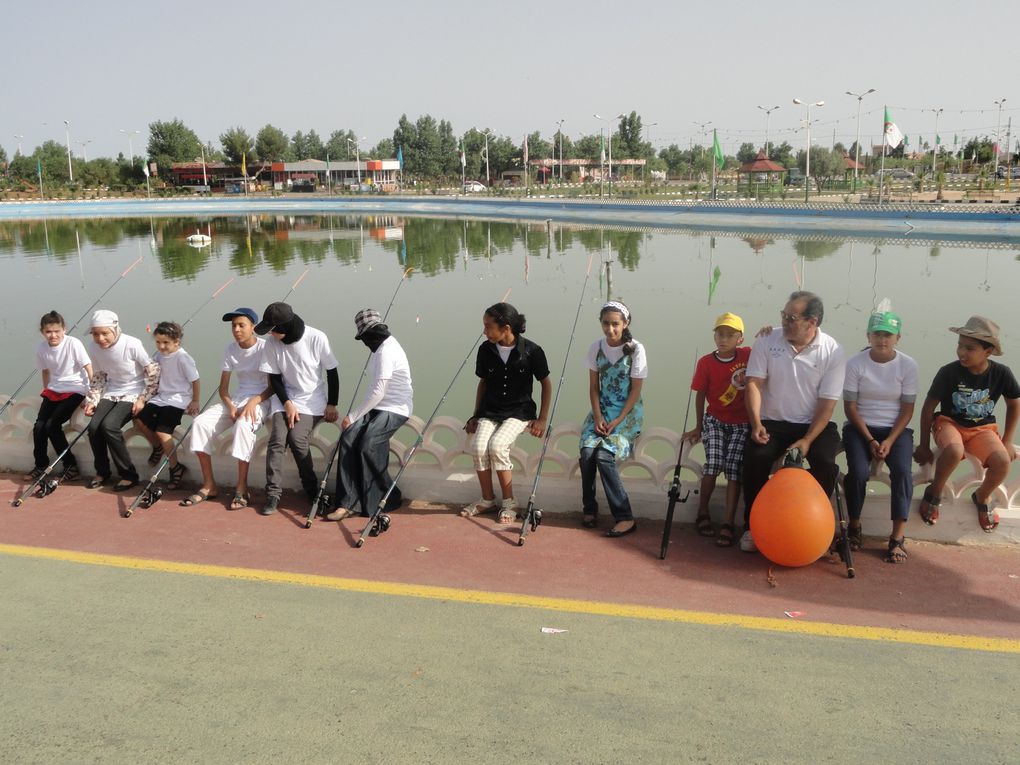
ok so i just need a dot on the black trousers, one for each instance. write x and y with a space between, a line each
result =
49 426
759 458
363 474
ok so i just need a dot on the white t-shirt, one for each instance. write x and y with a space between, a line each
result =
177 371
123 362
638 360
66 364
795 381
388 364
302 364
246 365
880 389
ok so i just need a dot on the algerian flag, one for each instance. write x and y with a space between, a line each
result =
602 148
244 165
400 156
38 166
893 136
145 167
720 160
463 159
525 152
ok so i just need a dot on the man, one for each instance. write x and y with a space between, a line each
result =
296 357
794 378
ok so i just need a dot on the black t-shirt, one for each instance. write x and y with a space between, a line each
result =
508 387
970 399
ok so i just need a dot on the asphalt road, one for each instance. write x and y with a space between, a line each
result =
111 665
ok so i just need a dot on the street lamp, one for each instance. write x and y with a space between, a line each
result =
807 152
131 148
559 133
357 155
486 135
704 133
606 119
768 113
935 143
67 137
857 153
998 123
83 144
19 137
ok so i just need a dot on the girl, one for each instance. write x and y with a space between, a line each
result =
244 411
66 371
878 398
506 365
178 394
125 378
617 369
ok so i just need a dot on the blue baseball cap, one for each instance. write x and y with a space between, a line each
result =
247 312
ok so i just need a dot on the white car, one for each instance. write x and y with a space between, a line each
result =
472 186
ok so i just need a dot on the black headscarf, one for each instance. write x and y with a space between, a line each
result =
292 331
374 336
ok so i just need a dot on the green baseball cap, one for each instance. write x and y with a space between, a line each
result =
885 321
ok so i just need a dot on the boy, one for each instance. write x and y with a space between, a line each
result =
719 379
966 392
295 357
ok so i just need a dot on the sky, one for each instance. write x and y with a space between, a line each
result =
108 66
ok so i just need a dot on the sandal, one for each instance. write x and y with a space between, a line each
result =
989 519
725 538
155 455
704 526
97 481
340 514
198 497
176 476
896 553
477 508
508 511
589 520
240 500
931 514
125 484
855 536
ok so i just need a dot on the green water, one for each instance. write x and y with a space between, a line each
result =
675 283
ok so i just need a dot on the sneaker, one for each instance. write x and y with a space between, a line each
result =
271 506
34 475
747 543
70 474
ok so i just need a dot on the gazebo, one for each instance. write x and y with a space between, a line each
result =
760 166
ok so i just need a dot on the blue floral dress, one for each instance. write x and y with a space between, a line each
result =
614 388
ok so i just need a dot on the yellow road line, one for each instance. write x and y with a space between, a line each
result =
653 613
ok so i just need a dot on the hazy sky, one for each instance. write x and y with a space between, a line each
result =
514 67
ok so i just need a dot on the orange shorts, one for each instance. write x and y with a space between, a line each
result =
981 441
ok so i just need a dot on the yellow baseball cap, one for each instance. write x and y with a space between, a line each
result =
730 320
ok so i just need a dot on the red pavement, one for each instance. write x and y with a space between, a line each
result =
961 590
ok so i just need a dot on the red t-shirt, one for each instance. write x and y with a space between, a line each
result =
723 384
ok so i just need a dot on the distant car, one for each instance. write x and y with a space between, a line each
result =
1012 172
794 177
473 186
897 173
303 185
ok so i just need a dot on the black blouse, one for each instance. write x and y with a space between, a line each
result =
508 387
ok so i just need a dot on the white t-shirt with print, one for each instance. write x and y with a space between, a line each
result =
880 389
66 364
303 365
177 371
638 361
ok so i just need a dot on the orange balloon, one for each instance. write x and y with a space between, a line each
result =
791 519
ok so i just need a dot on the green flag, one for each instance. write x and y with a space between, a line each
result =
938 139
720 160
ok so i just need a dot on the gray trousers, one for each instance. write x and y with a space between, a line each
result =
297 438
363 474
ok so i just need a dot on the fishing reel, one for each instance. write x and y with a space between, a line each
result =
150 497
536 519
46 487
381 524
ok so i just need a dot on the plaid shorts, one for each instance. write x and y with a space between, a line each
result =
724 447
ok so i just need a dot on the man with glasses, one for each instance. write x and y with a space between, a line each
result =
794 379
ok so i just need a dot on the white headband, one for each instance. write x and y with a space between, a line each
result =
620 307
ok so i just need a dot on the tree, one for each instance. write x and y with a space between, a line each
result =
3 156
271 143
629 143
337 146
298 146
825 164
383 150
237 144
746 153
449 149
171 142
782 153
313 146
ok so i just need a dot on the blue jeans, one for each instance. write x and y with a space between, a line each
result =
858 464
603 462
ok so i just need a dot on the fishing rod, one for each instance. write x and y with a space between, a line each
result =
47 486
379 522
674 488
88 310
532 515
322 497
211 298
295 285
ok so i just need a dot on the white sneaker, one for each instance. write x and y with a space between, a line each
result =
747 542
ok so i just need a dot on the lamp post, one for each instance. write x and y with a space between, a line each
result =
84 153
768 113
488 182
610 131
807 151
935 143
559 133
857 153
357 155
998 124
19 137
67 138
205 178
131 146
703 126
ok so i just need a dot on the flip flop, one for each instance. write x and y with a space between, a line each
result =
198 497
725 538
989 519
240 500
931 515
704 526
